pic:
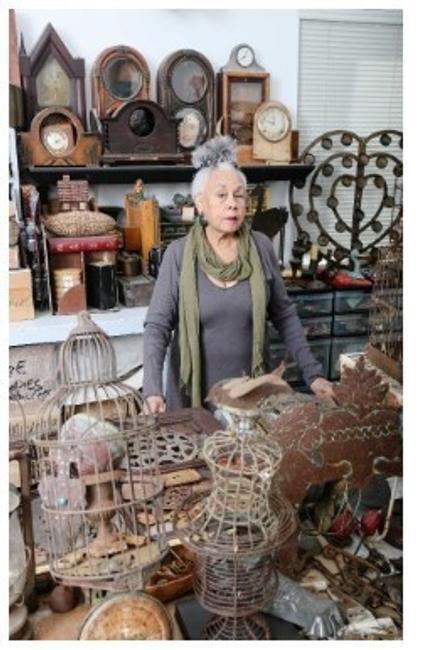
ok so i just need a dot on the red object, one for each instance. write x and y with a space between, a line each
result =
342 280
343 525
370 522
83 244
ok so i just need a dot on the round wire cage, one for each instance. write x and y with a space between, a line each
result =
97 467
234 587
236 529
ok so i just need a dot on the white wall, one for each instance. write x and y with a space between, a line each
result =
156 33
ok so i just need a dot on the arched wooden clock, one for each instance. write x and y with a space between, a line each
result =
272 133
52 77
57 137
120 74
186 90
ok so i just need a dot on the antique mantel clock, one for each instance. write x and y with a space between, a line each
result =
272 133
242 86
185 89
120 74
57 137
52 77
140 131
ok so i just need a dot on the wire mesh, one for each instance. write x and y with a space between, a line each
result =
249 628
103 511
385 318
235 529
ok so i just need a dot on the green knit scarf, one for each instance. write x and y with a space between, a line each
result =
246 265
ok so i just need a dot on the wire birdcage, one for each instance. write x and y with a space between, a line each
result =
236 529
385 316
98 471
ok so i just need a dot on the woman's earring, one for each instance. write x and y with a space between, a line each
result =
203 219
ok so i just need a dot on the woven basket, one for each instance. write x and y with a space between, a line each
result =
79 223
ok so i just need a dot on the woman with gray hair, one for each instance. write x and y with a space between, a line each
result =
215 289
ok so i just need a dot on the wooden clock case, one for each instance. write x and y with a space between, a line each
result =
86 146
140 131
52 77
186 80
105 100
240 93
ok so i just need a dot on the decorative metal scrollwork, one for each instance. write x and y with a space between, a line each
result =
353 176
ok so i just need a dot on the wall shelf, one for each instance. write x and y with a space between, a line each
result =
157 173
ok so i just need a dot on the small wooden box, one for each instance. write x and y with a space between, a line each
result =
136 291
21 304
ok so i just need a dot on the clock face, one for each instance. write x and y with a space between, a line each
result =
56 141
245 56
273 124
192 130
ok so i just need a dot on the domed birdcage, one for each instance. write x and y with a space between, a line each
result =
98 471
237 527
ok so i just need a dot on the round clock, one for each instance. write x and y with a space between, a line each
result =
192 129
273 121
56 141
244 56
58 138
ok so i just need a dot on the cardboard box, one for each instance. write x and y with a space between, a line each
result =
21 304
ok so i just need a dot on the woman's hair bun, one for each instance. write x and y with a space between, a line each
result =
220 149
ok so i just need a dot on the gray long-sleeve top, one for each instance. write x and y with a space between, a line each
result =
225 326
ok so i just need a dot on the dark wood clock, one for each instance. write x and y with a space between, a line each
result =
120 74
242 86
52 77
57 137
186 91
140 131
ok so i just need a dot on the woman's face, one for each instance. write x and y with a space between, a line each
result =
223 201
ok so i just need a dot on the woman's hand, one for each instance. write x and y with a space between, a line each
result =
154 404
322 387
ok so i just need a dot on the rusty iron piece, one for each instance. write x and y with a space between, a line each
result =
82 448
350 440
172 448
351 579
346 167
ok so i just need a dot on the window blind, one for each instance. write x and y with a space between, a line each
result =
350 78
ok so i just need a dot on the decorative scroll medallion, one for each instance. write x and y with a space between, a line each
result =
352 187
